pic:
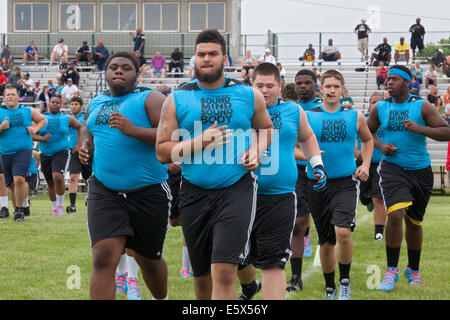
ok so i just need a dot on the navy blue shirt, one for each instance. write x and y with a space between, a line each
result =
140 38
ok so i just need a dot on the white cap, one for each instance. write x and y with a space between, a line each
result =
267 50
441 51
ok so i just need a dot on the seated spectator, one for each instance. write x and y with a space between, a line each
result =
447 97
417 71
101 55
192 67
142 66
6 69
267 57
382 73
84 53
430 76
51 87
414 86
282 72
381 53
7 56
248 64
59 87
438 60
27 88
60 50
402 51
308 55
158 66
346 100
31 52
290 93
447 105
69 70
330 53
44 98
15 79
435 99
3 81
164 89
37 89
176 61
69 91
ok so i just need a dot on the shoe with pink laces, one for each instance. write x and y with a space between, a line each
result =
60 211
413 276
390 278
133 289
185 273
121 283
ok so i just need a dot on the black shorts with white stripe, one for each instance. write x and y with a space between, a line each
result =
217 223
59 162
335 206
142 216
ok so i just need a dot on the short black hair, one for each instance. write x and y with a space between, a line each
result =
403 68
124 54
307 72
267 69
214 36
77 99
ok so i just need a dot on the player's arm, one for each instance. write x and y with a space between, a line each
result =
373 123
86 141
298 153
74 123
436 127
358 154
364 134
39 119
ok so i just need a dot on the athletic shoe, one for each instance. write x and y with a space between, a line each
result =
319 63
344 290
390 278
71 209
243 296
413 276
370 206
60 211
339 63
26 211
54 212
4 212
330 293
379 237
18 216
133 289
185 273
121 283
307 250
295 284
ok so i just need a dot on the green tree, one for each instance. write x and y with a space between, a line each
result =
430 49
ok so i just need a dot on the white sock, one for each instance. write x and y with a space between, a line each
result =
186 261
133 267
122 266
166 298
25 203
4 201
53 205
60 200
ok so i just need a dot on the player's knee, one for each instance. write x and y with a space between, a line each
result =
102 259
343 234
225 276
19 180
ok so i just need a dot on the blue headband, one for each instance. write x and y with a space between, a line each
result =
400 73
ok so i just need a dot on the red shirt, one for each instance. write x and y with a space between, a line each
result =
3 79
383 72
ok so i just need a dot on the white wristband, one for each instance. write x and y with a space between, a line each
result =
316 160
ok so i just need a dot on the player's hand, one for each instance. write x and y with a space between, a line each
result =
411 126
362 173
47 136
5 124
76 149
174 167
215 136
83 154
250 160
388 149
119 121
31 130
321 177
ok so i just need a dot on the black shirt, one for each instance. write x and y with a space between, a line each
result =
142 61
362 30
84 49
177 57
417 31
383 49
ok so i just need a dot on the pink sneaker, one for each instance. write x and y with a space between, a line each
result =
54 212
185 273
121 283
133 289
60 211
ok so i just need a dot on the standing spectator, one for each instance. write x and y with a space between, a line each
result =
430 76
59 51
44 99
417 34
142 66
438 60
3 81
101 55
7 56
435 99
248 64
15 78
69 91
84 53
31 52
176 60
362 30
158 66
414 86
139 41
267 57
401 51
346 100
330 53
382 52
417 71
308 55
382 73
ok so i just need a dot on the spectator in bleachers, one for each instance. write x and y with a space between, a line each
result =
51 87
447 105
330 53
142 66
26 90
158 65
414 86
362 30
164 89
192 67
31 52
44 99
430 76
447 97
60 50
435 99
248 64
15 78
308 55
290 93
6 67
417 71
267 57
69 70
346 100
3 81
438 61
282 72
382 73
417 34
37 89
447 67
176 60
101 55
69 91
84 53
382 52
7 56
59 87
139 41
401 51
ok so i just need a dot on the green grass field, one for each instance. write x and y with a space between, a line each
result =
49 257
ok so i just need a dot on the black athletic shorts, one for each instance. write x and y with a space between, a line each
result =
270 241
371 188
406 189
301 189
217 222
174 182
75 166
142 216
1 167
16 164
417 43
33 181
59 162
335 206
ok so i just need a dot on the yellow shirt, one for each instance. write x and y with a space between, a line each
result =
402 48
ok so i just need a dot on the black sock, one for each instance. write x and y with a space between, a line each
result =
73 199
248 289
344 271
296 266
329 280
307 232
379 229
414 259
393 254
